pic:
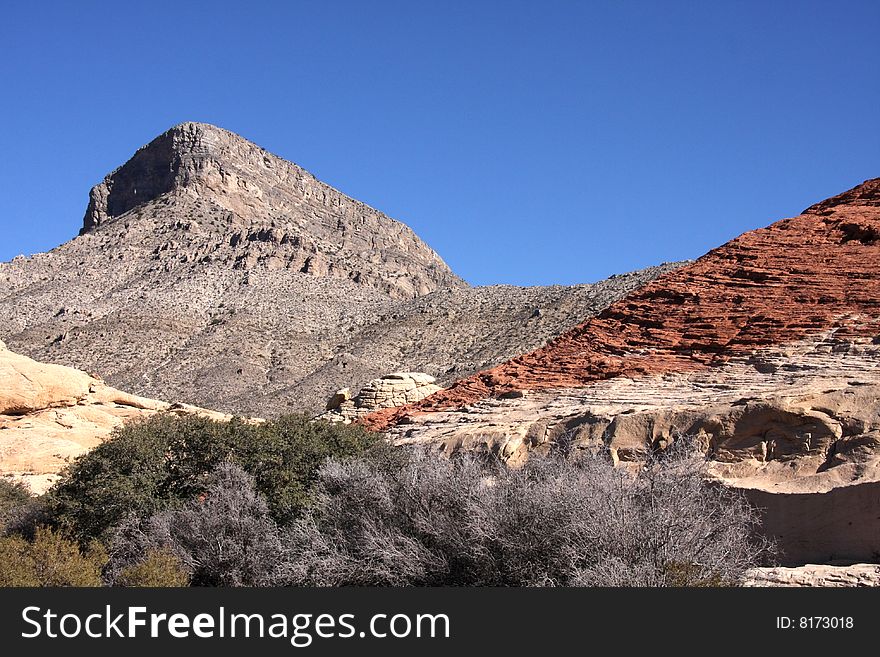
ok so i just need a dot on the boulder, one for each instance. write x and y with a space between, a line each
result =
387 391
338 398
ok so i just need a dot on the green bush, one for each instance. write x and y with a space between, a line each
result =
160 567
50 560
153 464
17 566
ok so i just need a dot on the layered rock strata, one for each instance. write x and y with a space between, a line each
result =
766 351
388 391
776 285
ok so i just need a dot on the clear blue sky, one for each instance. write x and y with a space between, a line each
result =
527 142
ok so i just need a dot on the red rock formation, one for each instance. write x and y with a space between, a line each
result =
770 286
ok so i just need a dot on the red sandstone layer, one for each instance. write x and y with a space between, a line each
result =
798 276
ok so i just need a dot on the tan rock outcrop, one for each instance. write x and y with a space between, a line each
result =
338 398
860 574
388 391
50 414
27 386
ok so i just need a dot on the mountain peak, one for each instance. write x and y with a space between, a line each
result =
185 126
201 193
169 161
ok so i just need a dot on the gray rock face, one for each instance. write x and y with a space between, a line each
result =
454 332
211 272
269 211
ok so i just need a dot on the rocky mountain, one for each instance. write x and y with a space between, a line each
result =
766 350
50 414
455 332
212 272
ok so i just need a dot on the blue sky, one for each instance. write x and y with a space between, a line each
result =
528 143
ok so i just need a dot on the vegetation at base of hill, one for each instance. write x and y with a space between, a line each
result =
223 537
157 463
158 567
408 518
179 501
558 521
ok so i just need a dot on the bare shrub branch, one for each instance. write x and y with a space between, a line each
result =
558 521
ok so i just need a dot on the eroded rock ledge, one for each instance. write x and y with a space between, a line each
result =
796 428
860 574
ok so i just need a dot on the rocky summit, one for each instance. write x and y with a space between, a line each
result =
203 194
209 271
766 350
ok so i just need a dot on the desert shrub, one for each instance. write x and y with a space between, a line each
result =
14 497
17 568
416 522
150 465
557 521
223 537
285 455
49 560
160 567
24 520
